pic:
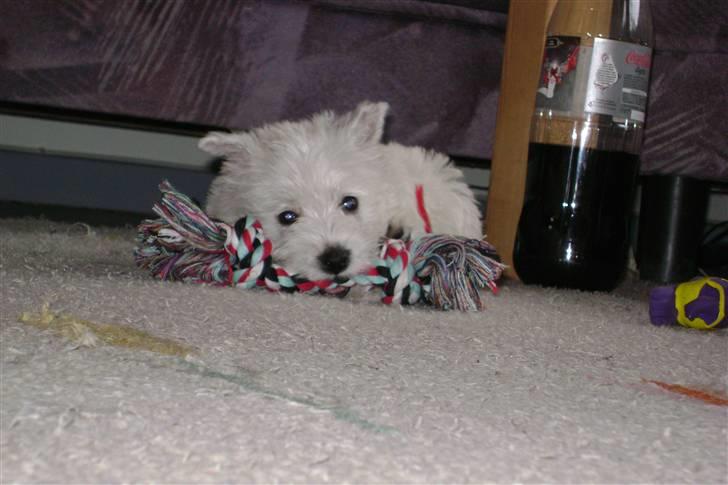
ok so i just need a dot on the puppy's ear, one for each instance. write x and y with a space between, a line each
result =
222 144
366 122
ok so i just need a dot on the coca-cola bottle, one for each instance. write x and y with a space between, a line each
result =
586 135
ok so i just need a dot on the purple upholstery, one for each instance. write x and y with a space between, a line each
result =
241 63
687 120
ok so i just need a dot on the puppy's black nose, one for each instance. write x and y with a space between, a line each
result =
334 259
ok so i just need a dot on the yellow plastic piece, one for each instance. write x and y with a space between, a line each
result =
91 334
687 292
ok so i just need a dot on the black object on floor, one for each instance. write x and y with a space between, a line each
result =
672 220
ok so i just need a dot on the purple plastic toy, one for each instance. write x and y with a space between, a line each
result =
700 303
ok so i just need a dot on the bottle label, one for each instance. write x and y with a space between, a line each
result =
618 80
558 80
610 78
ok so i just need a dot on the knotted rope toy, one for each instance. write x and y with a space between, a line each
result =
184 244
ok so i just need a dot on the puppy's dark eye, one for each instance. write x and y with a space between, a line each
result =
349 203
287 217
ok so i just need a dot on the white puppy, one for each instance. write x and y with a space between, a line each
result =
327 190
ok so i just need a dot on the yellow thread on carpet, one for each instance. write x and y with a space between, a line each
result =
90 334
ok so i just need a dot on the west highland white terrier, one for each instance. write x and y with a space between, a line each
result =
327 191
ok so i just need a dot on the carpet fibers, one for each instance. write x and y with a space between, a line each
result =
110 376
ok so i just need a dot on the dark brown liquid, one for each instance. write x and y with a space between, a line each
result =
574 226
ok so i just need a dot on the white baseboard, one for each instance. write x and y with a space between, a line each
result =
52 137
82 140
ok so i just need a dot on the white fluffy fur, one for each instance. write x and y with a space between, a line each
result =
309 166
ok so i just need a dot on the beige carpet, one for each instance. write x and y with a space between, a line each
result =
543 386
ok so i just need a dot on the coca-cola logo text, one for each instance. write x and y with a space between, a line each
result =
641 60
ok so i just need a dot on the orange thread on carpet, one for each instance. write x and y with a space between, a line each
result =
706 397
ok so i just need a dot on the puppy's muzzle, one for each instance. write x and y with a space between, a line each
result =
334 259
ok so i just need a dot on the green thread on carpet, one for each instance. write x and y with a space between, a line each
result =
247 383
90 334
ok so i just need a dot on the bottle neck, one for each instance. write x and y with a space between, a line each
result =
626 20
588 19
632 22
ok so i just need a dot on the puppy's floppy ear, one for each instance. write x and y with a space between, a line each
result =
366 122
221 144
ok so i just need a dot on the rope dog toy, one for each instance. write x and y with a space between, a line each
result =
184 244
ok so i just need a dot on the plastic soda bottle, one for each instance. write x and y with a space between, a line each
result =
586 135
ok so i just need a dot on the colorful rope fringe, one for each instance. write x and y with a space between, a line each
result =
184 244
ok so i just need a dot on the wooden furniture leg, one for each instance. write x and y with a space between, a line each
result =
525 36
